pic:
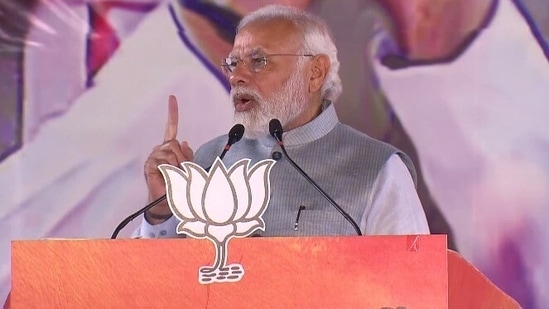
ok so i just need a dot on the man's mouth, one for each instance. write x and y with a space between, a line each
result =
243 102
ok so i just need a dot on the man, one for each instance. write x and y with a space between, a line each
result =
284 65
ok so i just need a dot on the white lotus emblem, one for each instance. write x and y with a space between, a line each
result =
218 205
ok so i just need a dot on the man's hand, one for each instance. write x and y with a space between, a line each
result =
172 152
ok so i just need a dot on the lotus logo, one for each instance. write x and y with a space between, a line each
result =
218 205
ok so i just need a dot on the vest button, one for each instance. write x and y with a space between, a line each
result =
277 155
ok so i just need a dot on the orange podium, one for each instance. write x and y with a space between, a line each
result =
311 272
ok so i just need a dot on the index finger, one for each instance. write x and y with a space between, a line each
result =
173 114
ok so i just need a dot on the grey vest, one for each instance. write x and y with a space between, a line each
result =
342 161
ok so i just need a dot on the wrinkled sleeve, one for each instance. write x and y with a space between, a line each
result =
395 208
163 230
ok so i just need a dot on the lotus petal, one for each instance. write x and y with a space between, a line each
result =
193 228
239 178
220 232
245 228
219 198
176 191
261 190
195 189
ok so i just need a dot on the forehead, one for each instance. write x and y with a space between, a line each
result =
267 36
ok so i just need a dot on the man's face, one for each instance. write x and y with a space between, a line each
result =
279 90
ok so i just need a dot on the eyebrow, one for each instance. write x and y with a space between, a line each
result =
255 50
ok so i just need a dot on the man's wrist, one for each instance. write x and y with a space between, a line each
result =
154 219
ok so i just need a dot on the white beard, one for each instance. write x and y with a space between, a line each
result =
286 104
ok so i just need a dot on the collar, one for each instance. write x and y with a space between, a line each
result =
309 132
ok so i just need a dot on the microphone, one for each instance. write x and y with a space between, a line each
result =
235 134
275 129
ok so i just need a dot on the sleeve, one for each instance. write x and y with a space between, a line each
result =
163 230
395 208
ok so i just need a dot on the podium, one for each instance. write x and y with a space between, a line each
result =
310 272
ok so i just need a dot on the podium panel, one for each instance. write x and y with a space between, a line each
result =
309 272
469 288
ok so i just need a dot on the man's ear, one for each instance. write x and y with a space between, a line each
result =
319 69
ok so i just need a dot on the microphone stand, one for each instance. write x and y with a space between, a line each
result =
275 129
135 215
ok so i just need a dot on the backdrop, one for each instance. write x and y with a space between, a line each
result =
459 85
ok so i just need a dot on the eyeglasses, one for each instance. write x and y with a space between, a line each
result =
253 62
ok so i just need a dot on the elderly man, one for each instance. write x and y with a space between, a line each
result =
284 65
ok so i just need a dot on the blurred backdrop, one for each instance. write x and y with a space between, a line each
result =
459 85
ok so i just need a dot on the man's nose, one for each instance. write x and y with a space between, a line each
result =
240 76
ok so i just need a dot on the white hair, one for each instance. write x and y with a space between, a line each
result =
317 39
